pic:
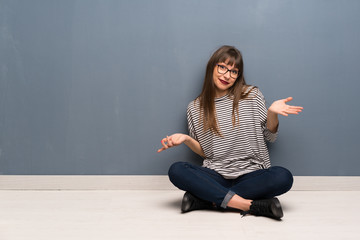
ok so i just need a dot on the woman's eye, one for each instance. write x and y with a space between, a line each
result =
234 72
222 67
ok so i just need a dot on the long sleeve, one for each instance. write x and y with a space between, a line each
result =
261 105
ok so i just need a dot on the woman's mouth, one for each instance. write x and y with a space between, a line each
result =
223 82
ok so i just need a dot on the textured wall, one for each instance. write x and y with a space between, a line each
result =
91 87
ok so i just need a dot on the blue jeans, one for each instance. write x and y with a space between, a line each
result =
208 185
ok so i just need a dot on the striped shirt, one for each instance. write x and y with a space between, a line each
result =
241 149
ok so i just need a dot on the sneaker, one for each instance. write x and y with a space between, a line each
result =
190 203
268 208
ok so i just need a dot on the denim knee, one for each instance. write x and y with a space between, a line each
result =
284 178
176 171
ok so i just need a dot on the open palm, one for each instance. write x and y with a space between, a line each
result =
281 107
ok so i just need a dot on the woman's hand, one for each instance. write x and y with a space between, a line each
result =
280 107
172 141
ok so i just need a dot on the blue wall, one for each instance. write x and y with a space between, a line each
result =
91 87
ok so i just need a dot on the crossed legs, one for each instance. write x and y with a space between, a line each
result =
210 186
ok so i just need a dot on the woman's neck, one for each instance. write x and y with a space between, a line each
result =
219 94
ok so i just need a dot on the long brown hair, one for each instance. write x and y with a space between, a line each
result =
238 91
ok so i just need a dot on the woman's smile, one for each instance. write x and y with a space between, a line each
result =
224 82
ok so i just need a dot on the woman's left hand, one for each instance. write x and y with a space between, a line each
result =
280 107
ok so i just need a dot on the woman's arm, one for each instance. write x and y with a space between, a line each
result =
272 122
179 138
280 107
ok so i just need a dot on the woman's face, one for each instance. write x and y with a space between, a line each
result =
223 77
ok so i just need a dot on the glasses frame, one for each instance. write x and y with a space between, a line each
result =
227 70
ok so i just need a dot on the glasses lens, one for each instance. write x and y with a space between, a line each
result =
222 69
234 73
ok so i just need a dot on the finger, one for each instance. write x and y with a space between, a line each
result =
284 114
298 109
295 107
163 143
293 111
170 142
160 150
288 99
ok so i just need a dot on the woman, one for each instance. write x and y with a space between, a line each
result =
228 126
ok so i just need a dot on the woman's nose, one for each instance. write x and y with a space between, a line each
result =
227 74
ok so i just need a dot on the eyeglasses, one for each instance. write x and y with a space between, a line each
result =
223 70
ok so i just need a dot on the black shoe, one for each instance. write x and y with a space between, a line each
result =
268 208
190 203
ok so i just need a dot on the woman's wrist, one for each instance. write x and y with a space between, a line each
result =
271 114
187 139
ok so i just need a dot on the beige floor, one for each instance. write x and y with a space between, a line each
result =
126 214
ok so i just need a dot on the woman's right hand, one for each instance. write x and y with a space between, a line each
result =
173 141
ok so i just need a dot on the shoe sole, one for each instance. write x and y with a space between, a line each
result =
276 209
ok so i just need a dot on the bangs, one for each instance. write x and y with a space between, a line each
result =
233 59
